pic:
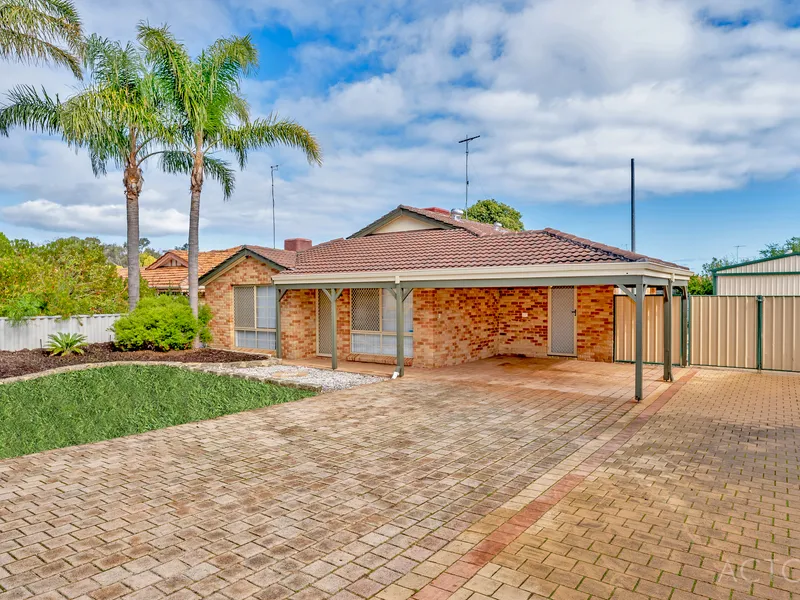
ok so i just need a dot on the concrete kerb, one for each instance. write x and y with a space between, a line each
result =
202 367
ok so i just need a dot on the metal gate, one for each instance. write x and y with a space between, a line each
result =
324 345
750 332
562 321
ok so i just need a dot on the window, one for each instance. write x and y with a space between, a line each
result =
373 322
254 316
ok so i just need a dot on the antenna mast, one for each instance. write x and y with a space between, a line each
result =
633 206
272 170
466 141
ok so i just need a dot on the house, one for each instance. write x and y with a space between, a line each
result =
169 274
774 276
429 288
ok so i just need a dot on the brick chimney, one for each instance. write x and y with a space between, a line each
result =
297 244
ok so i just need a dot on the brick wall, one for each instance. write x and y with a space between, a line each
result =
522 316
219 296
299 324
596 323
454 326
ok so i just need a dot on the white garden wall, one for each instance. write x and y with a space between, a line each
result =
33 332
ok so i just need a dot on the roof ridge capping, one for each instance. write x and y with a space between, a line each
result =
612 250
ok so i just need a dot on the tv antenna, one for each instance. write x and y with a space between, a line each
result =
466 141
737 251
272 170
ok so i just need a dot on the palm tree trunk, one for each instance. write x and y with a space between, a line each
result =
133 187
194 231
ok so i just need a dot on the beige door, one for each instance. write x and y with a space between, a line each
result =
323 324
562 320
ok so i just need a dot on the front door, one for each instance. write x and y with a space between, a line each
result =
323 324
562 320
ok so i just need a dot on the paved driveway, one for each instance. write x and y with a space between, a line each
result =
508 478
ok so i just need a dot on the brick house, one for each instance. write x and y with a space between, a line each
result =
456 290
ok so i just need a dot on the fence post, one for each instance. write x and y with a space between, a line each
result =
759 332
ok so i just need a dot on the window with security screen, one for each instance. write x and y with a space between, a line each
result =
373 322
254 316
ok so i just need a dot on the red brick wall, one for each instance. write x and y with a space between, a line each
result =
219 296
454 326
522 319
596 323
299 324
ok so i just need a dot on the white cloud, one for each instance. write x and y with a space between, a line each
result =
91 219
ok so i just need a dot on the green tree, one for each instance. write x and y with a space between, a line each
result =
212 116
64 277
119 117
491 211
703 284
39 31
791 245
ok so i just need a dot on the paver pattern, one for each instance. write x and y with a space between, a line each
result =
507 478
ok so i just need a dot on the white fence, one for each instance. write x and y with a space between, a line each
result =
33 332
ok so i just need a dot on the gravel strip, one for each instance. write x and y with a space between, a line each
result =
329 380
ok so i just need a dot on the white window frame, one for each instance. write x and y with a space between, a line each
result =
256 329
381 333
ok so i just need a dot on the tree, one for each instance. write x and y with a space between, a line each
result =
791 245
64 277
703 284
38 31
118 253
211 117
491 211
119 117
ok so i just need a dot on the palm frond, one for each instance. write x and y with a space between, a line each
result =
266 133
33 31
27 109
220 171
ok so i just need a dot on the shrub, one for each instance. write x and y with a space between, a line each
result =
162 323
65 344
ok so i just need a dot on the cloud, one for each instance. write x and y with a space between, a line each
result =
92 219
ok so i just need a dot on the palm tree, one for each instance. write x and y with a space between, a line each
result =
118 117
211 117
36 31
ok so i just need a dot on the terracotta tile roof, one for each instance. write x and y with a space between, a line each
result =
166 277
284 258
207 260
456 248
443 216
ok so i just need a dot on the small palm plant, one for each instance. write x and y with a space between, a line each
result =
64 344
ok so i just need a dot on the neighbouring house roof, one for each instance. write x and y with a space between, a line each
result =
453 249
163 275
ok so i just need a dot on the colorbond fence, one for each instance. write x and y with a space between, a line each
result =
33 333
751 332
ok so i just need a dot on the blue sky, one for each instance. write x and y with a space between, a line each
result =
703 93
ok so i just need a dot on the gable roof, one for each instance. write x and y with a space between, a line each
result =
438 217
161 275
458 248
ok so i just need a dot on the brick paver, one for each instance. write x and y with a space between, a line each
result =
508 479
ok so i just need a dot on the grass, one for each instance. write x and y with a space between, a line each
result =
99 404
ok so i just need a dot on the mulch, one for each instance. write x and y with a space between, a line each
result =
23 362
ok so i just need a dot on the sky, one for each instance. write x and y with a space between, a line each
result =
703 93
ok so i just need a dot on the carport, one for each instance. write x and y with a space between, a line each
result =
632 278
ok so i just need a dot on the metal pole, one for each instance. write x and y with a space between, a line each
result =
639 340
633 206
272 175
278 350
334 357
668 332
759 332
466 141
684 326
400 327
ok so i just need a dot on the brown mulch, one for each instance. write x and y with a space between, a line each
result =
23 362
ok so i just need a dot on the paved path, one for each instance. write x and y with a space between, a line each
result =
507 479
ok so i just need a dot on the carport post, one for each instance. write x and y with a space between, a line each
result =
668 332
400 327
278 296
332 295
639 339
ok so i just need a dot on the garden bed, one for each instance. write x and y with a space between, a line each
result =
97 404
25 362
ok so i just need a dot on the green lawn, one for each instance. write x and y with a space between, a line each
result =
99 404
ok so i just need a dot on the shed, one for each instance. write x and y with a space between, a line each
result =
774 276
